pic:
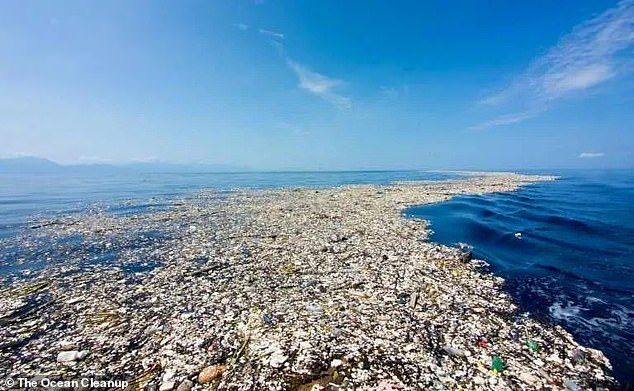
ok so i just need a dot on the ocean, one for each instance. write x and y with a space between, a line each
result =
565 248
36 196
27 200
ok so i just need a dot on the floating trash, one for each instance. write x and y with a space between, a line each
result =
497 364
482 342
533 345
268 319
276 289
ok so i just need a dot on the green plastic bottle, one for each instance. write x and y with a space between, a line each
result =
497 364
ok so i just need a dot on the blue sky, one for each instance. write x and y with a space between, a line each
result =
320 84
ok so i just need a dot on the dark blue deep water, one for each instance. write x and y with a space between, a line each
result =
574 261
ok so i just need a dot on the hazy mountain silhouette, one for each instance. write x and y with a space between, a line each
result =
30 164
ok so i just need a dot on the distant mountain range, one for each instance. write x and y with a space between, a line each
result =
28 164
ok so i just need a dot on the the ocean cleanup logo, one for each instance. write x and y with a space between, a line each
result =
44 382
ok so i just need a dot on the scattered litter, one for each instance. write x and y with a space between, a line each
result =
388 385
483 343
268 319
209 374
497 364
533 345
358 297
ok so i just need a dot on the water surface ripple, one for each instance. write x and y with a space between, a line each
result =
573 262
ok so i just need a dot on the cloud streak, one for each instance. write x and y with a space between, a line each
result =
313 82
590 155
504 119
593 53
319 85
271 34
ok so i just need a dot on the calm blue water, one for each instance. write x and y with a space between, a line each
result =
574 262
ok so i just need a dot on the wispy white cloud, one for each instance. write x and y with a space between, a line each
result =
272 34
315 83
555 85
590 155
242 26
504 119
319 85
591 54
